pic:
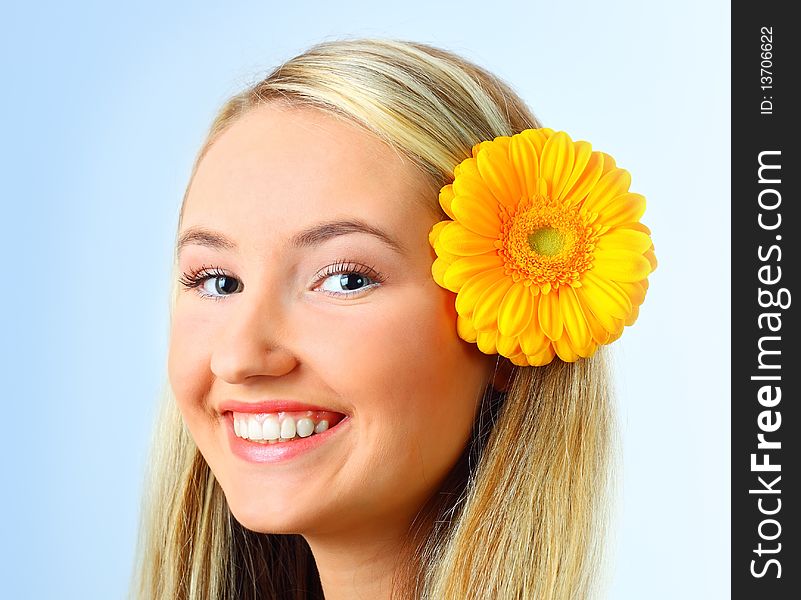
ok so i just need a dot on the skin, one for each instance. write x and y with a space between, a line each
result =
388 356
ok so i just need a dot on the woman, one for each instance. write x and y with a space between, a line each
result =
336 425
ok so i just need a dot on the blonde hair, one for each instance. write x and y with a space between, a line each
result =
522 514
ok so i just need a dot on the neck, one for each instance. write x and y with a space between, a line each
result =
359 565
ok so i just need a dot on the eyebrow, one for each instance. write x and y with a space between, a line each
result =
306 238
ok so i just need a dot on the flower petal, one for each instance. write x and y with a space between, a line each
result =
624 209
575 322
550 316
604 297
609 324
497 173
620 265
486 341
525 160
556 163
485 314
615 336
564 350
542 358
501 141
465 329
639 227
507 346
436 229
586 180
533 339
519 359
463 269
445 198
635 311
583 154
473 288
438 269
537 137
609 163
609 186
477 215
651 258
599 333
446 257
469 182
457 239
635 290
514 313
624 239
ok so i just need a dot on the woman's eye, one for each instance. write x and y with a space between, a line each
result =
345 284
348 279
221 286
211 282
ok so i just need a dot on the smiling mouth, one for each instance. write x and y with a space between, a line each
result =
282 427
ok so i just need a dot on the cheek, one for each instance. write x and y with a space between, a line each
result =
405 342
188 360
412 382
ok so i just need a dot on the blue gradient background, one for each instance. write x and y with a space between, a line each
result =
103 108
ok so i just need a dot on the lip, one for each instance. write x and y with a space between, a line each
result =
255 452
270 406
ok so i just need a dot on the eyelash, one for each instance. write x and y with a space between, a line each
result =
343 267
197 277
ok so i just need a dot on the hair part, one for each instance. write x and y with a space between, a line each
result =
522 513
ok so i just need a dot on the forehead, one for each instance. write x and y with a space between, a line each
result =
280 169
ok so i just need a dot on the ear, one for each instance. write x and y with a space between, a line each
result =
502 374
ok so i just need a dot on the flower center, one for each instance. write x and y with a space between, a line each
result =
546 243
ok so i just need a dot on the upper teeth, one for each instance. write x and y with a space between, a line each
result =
278 426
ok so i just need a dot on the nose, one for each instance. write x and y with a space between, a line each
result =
248 343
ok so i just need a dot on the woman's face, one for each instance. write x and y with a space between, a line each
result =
297 302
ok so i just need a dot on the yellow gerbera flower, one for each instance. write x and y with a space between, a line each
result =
545 251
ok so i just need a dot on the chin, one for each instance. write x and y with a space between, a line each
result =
264 521
269 515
